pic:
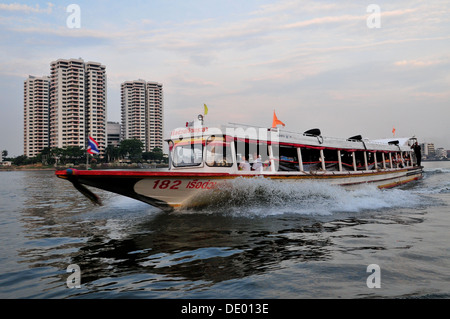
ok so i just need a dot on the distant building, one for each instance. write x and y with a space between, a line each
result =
133 105
36 115
441 153
113 133
428 149
95 84
154 125
142 112
77 103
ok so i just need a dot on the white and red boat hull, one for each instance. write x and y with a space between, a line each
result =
171 189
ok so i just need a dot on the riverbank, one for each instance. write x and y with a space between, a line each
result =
83 166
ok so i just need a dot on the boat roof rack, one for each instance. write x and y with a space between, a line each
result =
312 132
355 138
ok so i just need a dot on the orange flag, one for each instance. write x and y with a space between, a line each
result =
393 131
276 121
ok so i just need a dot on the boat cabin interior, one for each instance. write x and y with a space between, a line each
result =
226 153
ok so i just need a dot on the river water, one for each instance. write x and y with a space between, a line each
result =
261 239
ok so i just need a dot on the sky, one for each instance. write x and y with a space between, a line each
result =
346 67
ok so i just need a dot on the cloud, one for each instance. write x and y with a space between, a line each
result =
433 95
66 32
323 20
296 5
26 8
344 18
418 63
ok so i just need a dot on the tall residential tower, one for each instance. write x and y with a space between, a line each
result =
36 122
142 113
77 103
154 118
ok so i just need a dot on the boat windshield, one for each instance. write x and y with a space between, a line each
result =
218 152
187 152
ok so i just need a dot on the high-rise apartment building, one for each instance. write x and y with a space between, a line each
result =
154 133
427 149
77 103
142 113
95 80
67 103
133 105
36 121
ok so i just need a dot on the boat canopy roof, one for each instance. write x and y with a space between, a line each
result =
199 133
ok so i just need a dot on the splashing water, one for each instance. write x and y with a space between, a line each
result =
261 197
436 181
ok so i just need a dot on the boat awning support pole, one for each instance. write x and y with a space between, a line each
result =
375 158
354 161
322 159
339 160
365 161
272 161
300 159
390 160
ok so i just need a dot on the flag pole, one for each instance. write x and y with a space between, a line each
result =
87 160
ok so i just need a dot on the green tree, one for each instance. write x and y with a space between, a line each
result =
56 154
155 155
20 160
73 154
112 153
4 154
131 148
45 156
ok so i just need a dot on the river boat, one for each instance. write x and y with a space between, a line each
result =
203 158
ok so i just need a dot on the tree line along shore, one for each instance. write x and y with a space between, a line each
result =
128 154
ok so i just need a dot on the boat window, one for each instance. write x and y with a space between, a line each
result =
347 160
379 156
187 152
360 163
370 160
288 159
331 160
408 159
311 159
398 160
256 154
218 152
388 157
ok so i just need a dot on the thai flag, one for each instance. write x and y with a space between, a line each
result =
93 146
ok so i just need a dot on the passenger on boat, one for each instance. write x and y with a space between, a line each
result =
244 165
407 159
399 161
266 165
418 152
257 164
